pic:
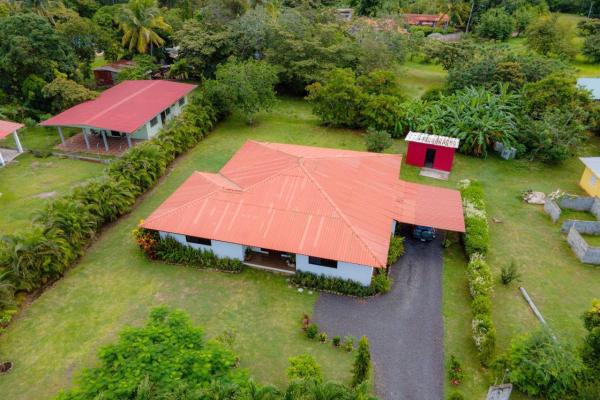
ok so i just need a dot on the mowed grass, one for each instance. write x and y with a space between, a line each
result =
561 287
113 286
417 78
27 183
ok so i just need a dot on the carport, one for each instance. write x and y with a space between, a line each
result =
7 128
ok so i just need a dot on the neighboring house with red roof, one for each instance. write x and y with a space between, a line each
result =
107 75
7 128
432 20
334 211
130 110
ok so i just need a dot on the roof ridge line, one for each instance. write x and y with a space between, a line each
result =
342 215
359 153
152 84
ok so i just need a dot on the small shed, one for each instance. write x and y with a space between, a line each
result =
7 128
106 75
431 151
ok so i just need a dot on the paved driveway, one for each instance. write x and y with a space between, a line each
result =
404 326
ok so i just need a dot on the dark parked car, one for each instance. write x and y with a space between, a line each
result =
424 233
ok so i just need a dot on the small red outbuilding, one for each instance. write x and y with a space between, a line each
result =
431 151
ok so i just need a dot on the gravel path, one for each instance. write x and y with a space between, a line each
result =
404 326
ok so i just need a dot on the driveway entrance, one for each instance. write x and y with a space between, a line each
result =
404 326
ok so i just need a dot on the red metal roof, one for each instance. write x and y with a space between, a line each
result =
124 107
335 204
8 127
416 19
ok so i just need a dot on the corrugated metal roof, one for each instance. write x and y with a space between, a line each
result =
124 107
8 127
437 140
591 84
328 203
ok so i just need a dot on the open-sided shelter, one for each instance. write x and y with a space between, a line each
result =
130 110
7 128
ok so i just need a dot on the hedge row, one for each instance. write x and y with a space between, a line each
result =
380 283
477 236
479 275
480 287
171 251
63 229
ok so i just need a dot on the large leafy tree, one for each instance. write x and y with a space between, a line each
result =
552 37
64 93
245 86
496 23
140 21
29 46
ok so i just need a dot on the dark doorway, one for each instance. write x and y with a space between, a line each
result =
163 117
429 158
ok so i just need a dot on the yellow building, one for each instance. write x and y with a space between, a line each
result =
590 180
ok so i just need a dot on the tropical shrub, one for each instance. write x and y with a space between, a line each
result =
455 371
484 337
509 273
456 396
381 282
383 113
479 276
312 330
591 317
170 250
479 118
336 341
337 285
322 337
349 343
168 354
496 23
377 141
476 238
541 367
304 366
396 249
362 362
481 304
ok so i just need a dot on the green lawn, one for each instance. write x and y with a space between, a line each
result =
38 137
416 78
28 182
561 287
114 285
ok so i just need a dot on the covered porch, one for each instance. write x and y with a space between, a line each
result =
270 260
96 143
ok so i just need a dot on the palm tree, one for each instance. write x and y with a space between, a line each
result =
7 290
139 20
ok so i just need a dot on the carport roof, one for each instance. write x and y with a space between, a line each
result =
328 203
8 127
124 107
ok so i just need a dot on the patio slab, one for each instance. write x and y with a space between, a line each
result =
9 154
116 146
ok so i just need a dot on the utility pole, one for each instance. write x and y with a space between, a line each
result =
590 10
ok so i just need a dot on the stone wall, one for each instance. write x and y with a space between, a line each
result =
584 252
585 227
579 203
552 209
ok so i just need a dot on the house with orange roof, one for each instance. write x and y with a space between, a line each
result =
331 211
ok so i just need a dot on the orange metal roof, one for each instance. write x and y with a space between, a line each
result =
335 204
8 127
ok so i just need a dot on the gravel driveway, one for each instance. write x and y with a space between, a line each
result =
404 326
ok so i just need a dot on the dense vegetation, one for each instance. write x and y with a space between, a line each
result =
170 358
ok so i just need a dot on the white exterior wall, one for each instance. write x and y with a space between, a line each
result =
220 249
141 133
344 270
